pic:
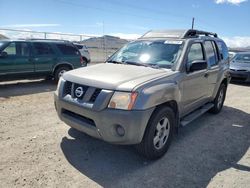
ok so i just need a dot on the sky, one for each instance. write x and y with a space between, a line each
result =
129 19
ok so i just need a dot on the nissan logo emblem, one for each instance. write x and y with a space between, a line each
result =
79 92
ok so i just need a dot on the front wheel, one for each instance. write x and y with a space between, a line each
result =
60 71
219 100
158 134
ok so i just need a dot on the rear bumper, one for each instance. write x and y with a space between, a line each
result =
103 124
240 76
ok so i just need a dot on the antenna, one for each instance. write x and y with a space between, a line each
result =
193 23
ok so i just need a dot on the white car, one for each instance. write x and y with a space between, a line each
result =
84 52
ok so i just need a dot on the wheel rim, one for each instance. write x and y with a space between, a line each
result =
161 133
220 99
61 73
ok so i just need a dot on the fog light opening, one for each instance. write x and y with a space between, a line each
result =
120 130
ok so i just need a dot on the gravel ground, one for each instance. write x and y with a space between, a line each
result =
38 150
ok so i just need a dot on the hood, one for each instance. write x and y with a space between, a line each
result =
240 66
114 76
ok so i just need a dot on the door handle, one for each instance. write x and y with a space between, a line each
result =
206 75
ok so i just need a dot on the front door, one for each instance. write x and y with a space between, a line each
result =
17 59
194 84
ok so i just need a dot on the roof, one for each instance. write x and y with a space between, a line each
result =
178 34
34 40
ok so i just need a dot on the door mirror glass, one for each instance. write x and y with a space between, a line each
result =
197 65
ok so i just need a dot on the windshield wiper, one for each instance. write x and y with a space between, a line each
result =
135 63
116 62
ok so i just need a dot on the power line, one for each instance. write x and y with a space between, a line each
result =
121 12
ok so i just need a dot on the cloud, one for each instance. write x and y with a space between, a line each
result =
237 41
31 25
234 2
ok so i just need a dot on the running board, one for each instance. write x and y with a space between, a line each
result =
197 113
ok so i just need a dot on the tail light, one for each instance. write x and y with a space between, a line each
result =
81 60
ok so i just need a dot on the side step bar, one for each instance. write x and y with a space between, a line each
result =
195 114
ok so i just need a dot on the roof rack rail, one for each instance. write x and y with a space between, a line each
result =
47 39
196 33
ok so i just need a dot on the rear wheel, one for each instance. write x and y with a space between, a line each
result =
60 71
219 100
158 134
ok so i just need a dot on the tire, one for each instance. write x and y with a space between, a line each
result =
155 131
219 99
84 61
59 71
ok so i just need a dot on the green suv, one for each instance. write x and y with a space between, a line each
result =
37 58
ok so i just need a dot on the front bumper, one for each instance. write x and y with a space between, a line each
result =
103 124
242 76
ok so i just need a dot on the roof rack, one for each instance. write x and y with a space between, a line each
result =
179 34
47 39
196 33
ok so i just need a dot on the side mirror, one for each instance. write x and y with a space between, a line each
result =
3 54
197 65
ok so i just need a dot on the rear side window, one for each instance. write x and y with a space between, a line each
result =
17 49
211 53
223 50
195 53
42 48
67 49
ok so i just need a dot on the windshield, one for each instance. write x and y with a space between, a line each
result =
1 44
242 58
161 53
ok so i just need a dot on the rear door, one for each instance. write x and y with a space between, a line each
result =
44 56
194 84
212 57
17 60
69 54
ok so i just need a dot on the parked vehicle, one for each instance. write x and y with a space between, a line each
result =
231 55
147 89
84 52
240 67
37 58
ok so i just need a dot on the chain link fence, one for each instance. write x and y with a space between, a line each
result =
100 47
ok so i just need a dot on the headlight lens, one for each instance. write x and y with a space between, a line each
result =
123 100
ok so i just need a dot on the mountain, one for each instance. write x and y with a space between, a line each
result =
3 37
239 49
106 41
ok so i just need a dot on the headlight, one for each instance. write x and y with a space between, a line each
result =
122 100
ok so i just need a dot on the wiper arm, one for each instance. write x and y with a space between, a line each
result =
135 63
116 62
143 64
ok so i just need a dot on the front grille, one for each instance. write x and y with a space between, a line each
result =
83 90
67 88
238 70
70 89
78 117
238 79
95 95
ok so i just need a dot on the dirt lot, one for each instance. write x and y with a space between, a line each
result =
38 150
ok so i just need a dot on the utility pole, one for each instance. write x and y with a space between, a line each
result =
193 23
104 43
